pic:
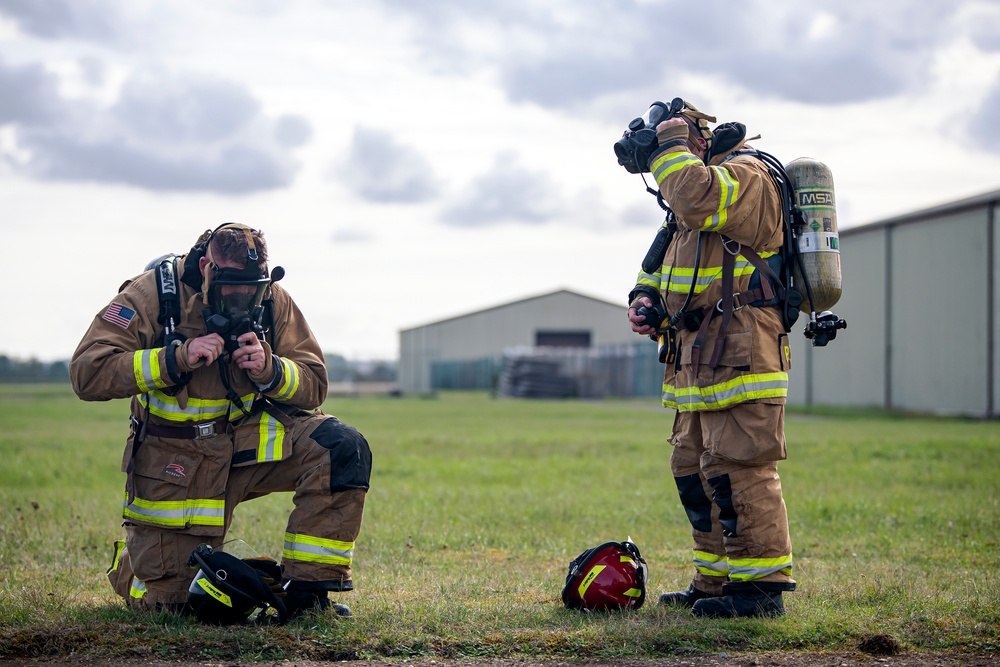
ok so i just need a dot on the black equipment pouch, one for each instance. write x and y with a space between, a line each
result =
653 260
667 346
776 263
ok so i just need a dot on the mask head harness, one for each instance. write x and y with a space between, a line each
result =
698 125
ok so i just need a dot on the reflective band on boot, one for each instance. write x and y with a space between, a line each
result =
711 565
137 590
317 550
750 569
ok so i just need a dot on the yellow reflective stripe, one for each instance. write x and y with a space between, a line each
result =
724 394
668 163
632 593
290 380
116 559
176 513
272 438
197 409
729 189
589 579
651 279
711 564
681 276
317 550
749 569
146 368
137 589
210 588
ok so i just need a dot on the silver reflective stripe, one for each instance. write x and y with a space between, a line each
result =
197 410
290 383
743 388
176 513
749 569
673 164
711 564
272 437
728 190
681 282
138 588
145 365
317 550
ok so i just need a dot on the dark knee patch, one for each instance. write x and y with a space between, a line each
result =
350 455
722 494
695 501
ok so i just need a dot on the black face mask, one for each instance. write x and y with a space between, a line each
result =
234 303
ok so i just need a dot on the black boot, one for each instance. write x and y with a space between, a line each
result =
744 600
683 598
300 602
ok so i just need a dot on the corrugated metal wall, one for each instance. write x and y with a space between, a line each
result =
487 333
921 293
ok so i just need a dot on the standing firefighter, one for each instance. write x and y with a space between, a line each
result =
704 294
226 380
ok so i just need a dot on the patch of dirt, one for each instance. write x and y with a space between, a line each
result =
860 659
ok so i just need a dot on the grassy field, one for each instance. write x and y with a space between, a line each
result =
478 505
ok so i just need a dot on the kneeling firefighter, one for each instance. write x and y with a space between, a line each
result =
225 379
710 291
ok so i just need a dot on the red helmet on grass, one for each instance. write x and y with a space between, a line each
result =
607 577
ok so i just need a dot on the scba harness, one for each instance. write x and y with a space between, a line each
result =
775 281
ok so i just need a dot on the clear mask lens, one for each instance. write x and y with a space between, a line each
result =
233 300
656 113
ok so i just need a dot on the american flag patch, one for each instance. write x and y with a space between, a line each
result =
119 314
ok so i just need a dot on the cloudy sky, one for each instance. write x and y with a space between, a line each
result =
413 161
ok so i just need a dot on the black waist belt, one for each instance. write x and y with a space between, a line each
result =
190 432
693 318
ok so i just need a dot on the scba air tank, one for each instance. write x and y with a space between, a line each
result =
819 238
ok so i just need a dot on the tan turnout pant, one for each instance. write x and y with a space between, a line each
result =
326 466
725 466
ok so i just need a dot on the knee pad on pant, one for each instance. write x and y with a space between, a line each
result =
695 501
722 494
350 455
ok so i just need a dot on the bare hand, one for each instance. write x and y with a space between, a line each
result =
250 355
205 348
638 321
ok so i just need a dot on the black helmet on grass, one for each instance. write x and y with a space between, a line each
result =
226 590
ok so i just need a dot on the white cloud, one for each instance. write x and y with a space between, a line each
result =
467 139
507 193
380 169
166 131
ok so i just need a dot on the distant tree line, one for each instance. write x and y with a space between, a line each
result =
32 370
338 368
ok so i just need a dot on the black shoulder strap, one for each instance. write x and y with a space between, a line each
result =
791 219
169 293
169 316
